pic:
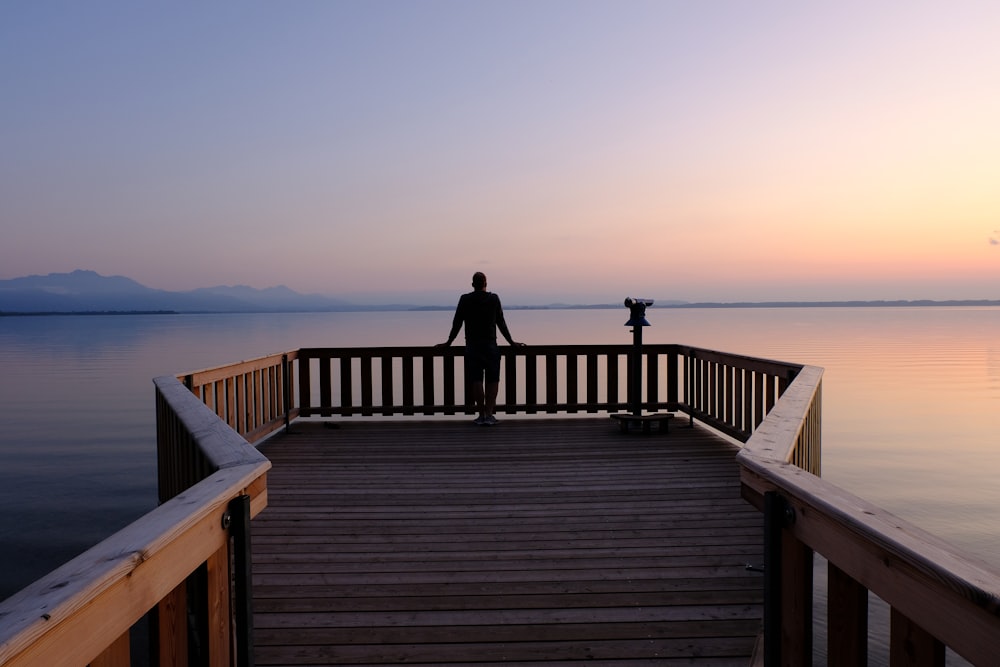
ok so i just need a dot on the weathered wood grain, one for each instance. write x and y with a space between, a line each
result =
535 541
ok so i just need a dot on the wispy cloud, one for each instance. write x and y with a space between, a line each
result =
993 239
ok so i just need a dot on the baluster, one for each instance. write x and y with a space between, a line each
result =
257 379
551 383
760 388
531 382
367 385
510 381
325 387
388 402
429 390
912 646
346 385
592 398
572 372
652 381
739 387
847 619
449 384
305 385
613 400
408 381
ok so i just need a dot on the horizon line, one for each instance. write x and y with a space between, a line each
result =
876 303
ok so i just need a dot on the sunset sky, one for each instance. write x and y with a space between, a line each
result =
575 151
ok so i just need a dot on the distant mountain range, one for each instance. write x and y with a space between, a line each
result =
89 292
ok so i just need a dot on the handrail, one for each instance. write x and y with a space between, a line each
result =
938 596
83 611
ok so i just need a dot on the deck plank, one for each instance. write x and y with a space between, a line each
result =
538 541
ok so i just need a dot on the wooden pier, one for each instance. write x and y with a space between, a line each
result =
408 535
534 541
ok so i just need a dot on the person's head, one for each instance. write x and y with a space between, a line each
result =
479 280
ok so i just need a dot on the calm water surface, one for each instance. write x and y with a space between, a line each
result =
911 404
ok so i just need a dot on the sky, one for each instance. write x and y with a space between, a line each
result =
575 151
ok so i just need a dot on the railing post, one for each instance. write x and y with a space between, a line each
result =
239 511
286 389
691 386
787 588
635 386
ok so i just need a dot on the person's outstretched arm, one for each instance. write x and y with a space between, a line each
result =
456 326
502 326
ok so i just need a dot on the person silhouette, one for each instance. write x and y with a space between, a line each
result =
481 313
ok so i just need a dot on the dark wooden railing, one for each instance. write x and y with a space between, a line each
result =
730 392
429 381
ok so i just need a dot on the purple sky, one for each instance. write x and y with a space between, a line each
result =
573 150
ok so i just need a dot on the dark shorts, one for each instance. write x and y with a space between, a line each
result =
482 359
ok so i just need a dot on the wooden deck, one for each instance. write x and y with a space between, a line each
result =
533 541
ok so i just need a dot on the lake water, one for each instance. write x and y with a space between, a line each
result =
911 403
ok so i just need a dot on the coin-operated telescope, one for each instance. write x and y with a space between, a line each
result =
637 309
637 320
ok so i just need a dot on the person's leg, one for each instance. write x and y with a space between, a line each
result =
492 369
474 377
479 399
491 397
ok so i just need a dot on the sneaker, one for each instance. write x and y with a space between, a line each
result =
490 421
480 421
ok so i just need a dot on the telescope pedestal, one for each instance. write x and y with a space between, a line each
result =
645 422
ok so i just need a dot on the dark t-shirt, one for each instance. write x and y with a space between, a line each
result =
482 315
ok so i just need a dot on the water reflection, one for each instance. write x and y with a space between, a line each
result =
911 402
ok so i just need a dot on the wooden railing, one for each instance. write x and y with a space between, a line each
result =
937 596
175 562
430 380
730 392
173 565
253 397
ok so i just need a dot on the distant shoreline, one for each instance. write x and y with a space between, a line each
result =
842 304
87 313
84 292
921 303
